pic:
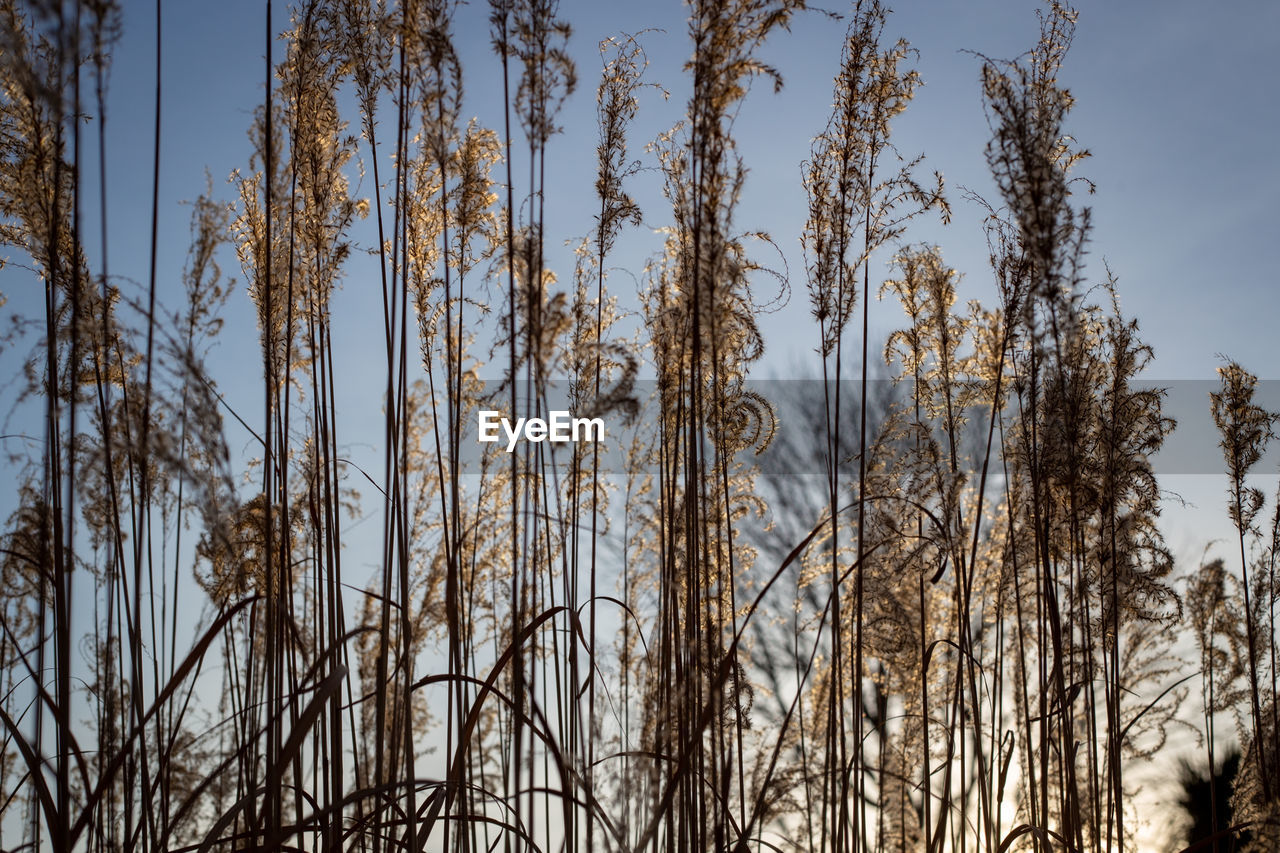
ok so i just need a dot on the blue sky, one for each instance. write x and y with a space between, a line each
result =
1176 104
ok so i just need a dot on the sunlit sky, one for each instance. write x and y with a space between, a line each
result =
1176 101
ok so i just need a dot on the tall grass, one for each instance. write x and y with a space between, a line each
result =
965 640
